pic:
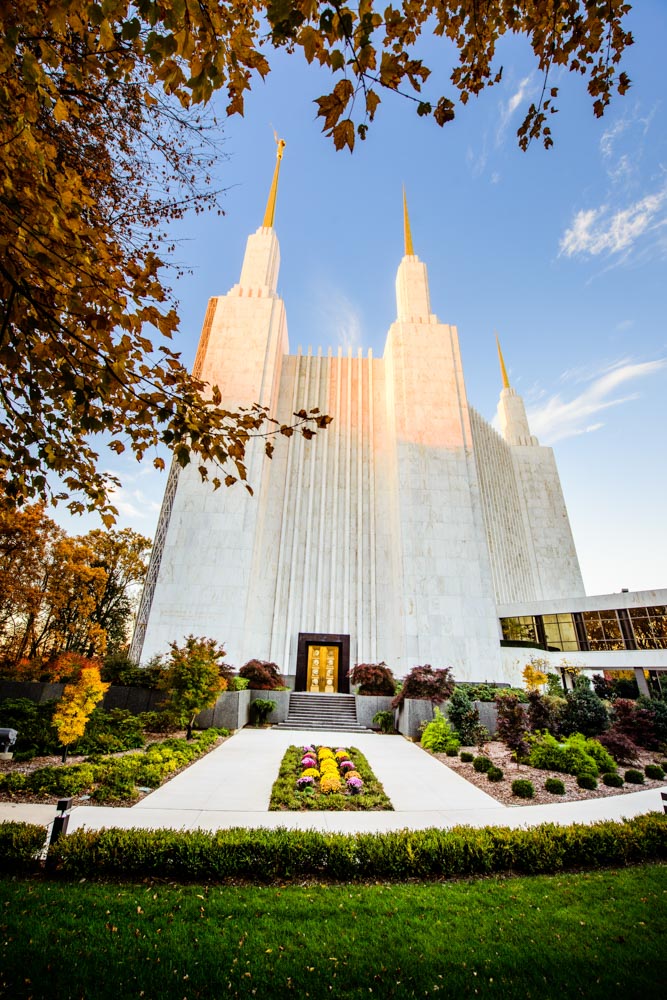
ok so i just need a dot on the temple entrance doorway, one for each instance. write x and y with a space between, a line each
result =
322 663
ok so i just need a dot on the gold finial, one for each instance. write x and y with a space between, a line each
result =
409 249
269 215
503 370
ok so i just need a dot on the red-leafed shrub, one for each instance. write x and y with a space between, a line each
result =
426 684
512 724
634 721
373 678
262 675
619 745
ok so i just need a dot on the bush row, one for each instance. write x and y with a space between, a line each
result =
266 855
20 845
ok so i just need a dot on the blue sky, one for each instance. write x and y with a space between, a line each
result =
562 252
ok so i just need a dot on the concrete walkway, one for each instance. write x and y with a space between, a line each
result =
231 786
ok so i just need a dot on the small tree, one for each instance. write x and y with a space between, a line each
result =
512 724
534 675
426 684
373 678
262 675
464 717
76 705
194 677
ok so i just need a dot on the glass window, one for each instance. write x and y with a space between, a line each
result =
650 627
520 629
560 632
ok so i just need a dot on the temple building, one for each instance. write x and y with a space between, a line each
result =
402 533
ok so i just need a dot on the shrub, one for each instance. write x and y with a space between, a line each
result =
260 855
634 777
635 721
594 749
452 751
158 722
467 757
260 710
20 846
438 736
658 712
654 771
464 717
385 721
482 764
488 692
586 780
619 745
571 756
555 786
545 712
495 774
194 677
262 675
373 678
523 788
426 684
238 684
585 712
33 724
612 780
111 732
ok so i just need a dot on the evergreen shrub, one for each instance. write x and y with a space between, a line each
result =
612 780
467 757
384 720
20 845
523 788
555 786
585 712
495 774
586 780
482 764
634 777
266 855
654 771
452 751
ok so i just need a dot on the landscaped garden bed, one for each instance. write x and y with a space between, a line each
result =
113 779
501 757
326 778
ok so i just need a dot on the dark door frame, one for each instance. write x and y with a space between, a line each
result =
307 639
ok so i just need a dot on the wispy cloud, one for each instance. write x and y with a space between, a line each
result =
611 231
339 321
507 108
556 418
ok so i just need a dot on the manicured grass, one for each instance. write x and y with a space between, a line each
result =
597 935
285 795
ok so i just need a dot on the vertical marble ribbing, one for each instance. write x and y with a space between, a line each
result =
313 376
282 578
348 491
371 511
296 515
322 402
336 490
361 643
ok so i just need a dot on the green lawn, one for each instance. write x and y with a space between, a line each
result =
592 935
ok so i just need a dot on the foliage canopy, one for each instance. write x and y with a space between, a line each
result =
104 144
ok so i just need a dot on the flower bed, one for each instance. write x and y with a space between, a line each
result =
326 778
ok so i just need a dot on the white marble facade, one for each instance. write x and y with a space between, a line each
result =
403 525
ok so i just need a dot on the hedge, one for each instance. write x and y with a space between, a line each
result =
20 845
266 855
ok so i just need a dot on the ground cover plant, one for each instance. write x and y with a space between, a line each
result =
319 777
109 779
455 939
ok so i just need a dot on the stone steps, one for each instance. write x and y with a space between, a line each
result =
336 712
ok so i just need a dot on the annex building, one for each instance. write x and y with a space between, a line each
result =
405 532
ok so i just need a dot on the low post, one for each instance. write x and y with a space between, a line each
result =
663 796
60 821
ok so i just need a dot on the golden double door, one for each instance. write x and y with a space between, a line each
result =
322 669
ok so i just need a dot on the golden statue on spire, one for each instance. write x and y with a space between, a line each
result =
409 249
503 370
269 215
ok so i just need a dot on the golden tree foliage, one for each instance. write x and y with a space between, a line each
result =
76 704
533 676
62 595
102 146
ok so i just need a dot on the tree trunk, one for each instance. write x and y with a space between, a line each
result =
65 749
188 731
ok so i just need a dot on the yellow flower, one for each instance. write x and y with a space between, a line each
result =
330 783
324 752
352 774
310 772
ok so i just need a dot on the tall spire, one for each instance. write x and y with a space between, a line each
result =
409 249
503 370
269 215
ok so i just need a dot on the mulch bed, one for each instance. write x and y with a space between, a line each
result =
502 790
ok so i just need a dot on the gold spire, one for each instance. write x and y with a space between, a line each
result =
409 249
271 203
503 370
